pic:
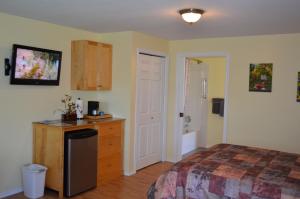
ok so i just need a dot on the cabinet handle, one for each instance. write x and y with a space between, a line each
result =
100 86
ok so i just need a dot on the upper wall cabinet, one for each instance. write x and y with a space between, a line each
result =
91 65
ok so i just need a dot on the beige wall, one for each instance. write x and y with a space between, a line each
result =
118 100
21 105
121 100
145 42
268 120
257 119
216 86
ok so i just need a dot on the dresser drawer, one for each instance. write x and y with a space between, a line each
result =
109 168
112 128
110 151
109 145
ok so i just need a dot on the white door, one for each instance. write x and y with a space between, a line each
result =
149 115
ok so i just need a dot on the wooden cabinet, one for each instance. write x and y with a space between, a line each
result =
48 149
110 150
91 65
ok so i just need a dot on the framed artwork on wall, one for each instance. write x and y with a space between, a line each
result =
298 88
260 77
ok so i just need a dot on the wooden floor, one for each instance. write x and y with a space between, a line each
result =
127 187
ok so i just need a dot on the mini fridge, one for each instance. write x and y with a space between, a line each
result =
80 161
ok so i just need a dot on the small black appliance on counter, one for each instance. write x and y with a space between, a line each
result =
93 107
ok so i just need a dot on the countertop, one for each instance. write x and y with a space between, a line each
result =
76 123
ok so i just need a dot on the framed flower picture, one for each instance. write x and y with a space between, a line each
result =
260 77
298 88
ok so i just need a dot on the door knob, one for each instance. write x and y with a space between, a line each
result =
152 118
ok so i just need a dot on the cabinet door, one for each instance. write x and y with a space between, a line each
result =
104 69
91 69
48 151
91 65
78 77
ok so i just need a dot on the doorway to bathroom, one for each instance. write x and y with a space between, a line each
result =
200 103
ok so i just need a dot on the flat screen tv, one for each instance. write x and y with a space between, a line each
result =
35 66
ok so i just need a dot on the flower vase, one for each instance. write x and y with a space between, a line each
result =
69 117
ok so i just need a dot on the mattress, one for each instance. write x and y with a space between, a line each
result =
231 171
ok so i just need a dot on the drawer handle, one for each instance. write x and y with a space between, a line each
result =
110 144
111 128
99 86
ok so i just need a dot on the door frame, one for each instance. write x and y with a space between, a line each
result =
165 101
179 100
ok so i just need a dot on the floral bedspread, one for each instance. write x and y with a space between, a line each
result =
231 171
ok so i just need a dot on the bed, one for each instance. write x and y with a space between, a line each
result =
231 171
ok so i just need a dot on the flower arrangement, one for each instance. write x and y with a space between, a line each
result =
69 105
69 113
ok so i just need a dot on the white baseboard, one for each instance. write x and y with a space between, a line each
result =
171 160
11 192
129 173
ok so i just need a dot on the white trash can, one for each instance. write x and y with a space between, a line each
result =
34 180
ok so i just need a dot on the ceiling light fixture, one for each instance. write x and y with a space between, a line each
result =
191 15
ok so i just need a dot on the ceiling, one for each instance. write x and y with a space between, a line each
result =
223 18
